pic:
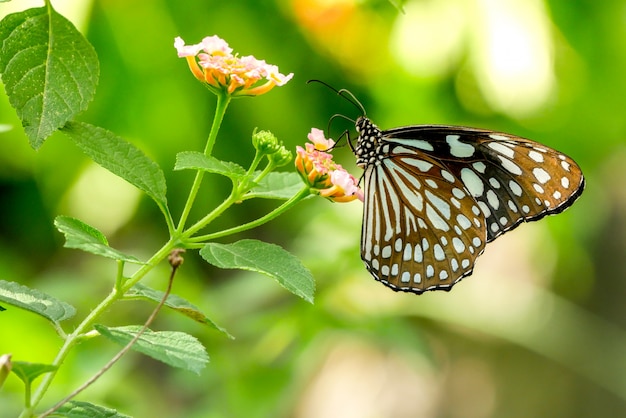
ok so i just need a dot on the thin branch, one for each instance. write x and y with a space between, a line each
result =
175 260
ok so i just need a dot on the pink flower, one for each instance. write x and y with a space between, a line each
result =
316 136
213 63
322 174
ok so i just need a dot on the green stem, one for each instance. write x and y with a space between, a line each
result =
304 192
222 103
228 202
102 307
270 166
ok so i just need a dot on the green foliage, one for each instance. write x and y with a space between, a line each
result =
120 158
277 186
176 349
35 301
261 257
76 409
27 372
49 70
197 161
183 306
81 236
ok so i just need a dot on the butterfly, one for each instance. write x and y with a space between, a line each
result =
435 195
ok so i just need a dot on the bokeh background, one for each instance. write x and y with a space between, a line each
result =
537 331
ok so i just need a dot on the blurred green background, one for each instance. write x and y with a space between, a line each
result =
537 331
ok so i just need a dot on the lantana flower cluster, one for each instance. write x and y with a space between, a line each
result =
321 173
213 63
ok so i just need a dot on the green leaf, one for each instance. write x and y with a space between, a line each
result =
78 409
35 301
49 70
140 291
197 161
176 349
277 185
120 158
81 236
265 258
28 372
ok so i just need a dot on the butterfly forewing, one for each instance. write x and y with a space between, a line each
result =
435 195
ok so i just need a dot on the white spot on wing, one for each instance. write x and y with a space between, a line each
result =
422 165
515 188
541 175
442 206
418 256
459 149
493 200
502 149
446 175
431 183
535 156
415 143
480 167
473 183
459 247
510 166
439 254
458 193
408 252
436 220
463 221
430 271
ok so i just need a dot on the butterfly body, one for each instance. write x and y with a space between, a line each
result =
435 195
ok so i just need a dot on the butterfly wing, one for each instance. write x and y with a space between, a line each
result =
443 192
513 179
421 228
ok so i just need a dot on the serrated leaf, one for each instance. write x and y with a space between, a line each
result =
78 409
49 70
174 302
35 301
198 161
81 236
277 185
27 372
265 258
121 158
176 349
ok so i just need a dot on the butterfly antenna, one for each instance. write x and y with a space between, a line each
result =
346 94
349 96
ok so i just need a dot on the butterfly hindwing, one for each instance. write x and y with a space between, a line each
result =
413 239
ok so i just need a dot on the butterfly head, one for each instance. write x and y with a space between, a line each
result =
367 142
